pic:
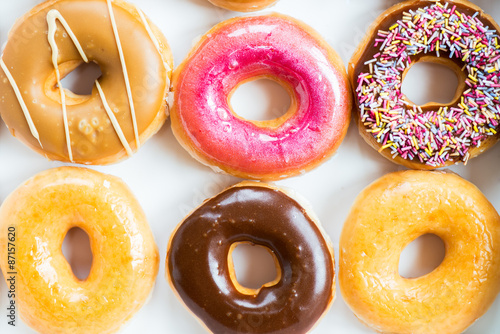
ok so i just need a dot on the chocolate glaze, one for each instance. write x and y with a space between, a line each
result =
198 268
390 19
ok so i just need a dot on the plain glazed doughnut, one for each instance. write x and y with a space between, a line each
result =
128 102
457 34
199 262
49 297
244 5
275 47
388 215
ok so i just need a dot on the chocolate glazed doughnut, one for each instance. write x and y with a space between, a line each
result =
199 265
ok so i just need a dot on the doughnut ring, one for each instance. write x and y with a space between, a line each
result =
200 270
128 102
49 297
243 5
457 34
388 215
249 48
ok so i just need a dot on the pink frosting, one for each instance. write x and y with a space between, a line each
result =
254 46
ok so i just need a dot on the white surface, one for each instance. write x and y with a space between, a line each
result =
169 183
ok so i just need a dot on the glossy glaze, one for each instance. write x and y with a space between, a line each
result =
198 268
274 47
391 213
127 104
244 5
366 52
125 257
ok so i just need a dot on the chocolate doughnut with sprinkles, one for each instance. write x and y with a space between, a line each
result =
457 34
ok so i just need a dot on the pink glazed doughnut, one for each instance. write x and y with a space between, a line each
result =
275 47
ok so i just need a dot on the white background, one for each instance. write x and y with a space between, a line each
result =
169 183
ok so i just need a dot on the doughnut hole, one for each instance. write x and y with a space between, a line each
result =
76 249
261 99
77 79
252 267
421 256
433 81
81 80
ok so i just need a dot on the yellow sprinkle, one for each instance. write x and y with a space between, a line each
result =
384 147
472 78
377 118
444 147
491 70
493 130
476 129
415 142
394 26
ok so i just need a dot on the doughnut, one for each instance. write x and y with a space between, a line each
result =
388 215
200 269
249 48
456 34
38 215
128 102
243 5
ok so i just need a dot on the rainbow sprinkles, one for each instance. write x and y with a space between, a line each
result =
437 136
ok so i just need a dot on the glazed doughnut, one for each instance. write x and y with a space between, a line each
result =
457 34
275 47
200 270
49 297
128 102
244 5
391 213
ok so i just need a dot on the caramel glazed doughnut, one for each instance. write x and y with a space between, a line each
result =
200 269
128 102
391 213
243 5
125 257
457 34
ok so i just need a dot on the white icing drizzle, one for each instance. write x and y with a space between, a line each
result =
113 119
52 16
125 73
27 115
153 38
